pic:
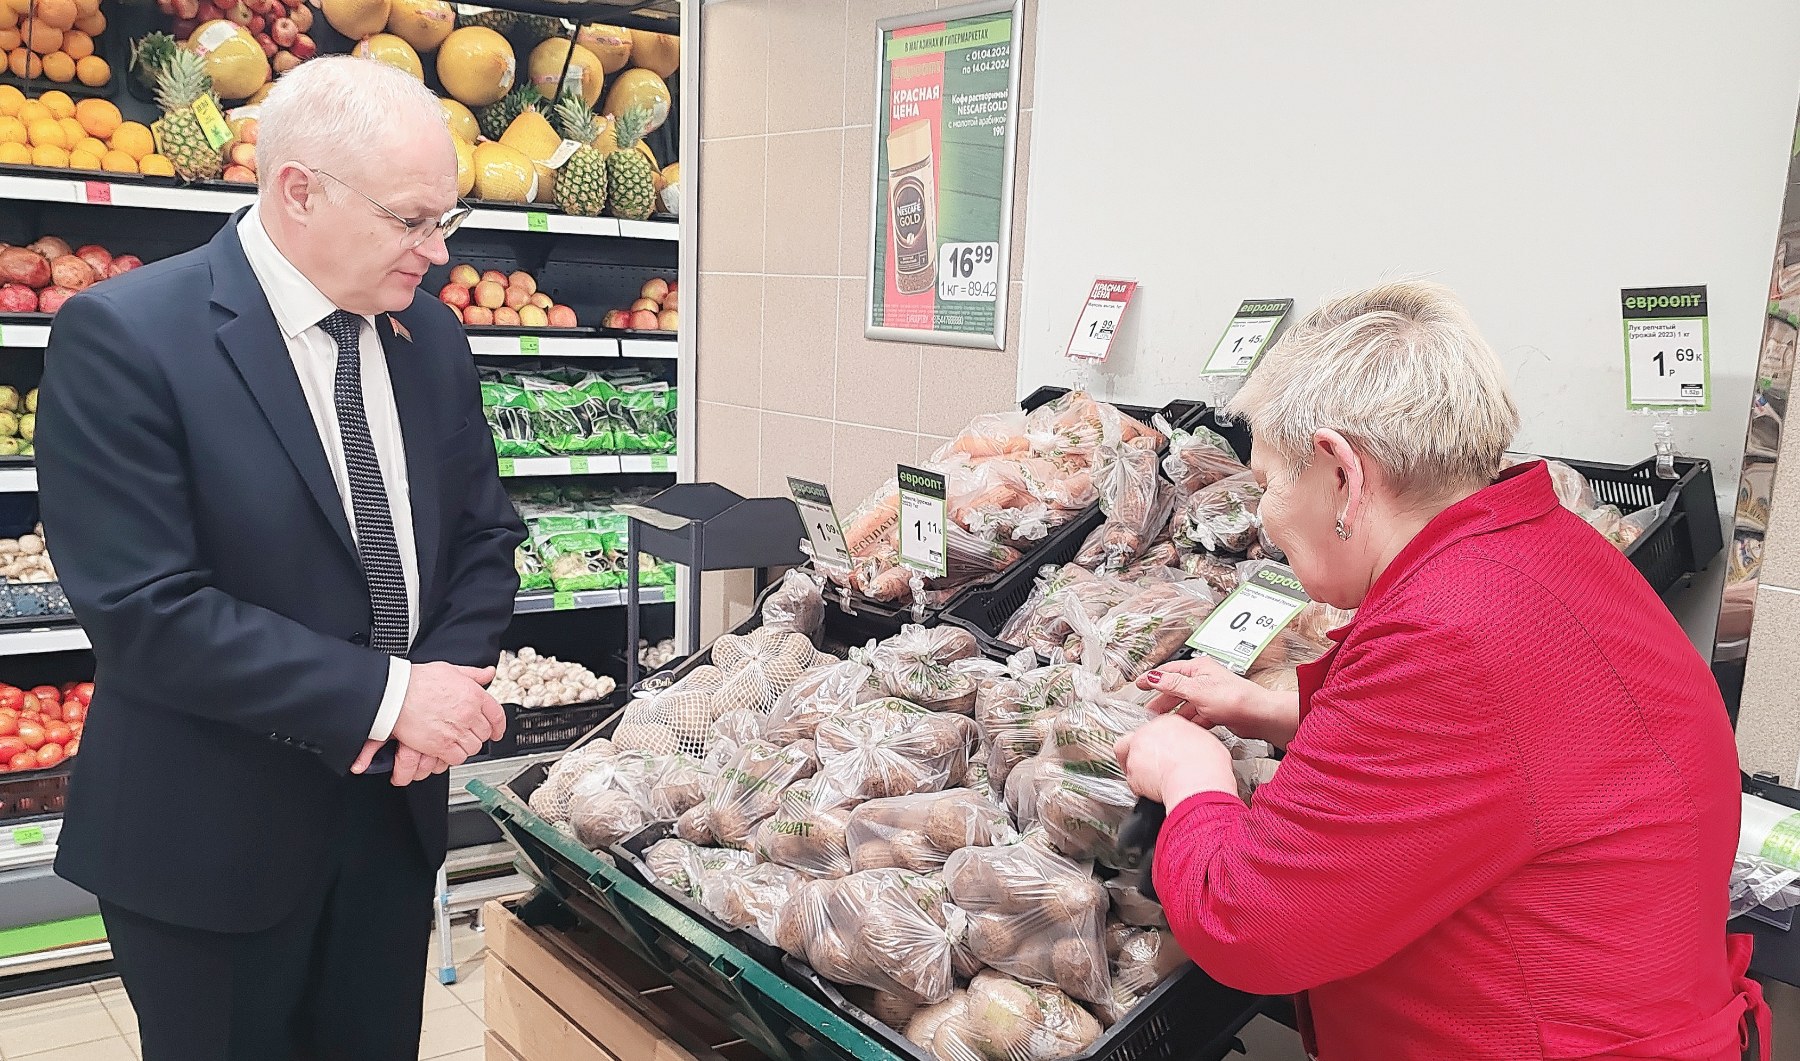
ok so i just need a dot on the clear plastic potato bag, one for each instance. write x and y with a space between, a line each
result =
1200 458
919 832
1148 629
1055 623
887 929
1000 1019
819 694
550 801
921 664
798 606
1221 517
1079 807
684 783
1033 915
892 747
808 832
751 897
1014 715
749 788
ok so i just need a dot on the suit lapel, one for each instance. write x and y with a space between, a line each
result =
418 429
255 345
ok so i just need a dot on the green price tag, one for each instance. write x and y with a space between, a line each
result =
212 123
2 336
562 602
27 835
1246 621
506 466
578 465
528 344
537 221
659 463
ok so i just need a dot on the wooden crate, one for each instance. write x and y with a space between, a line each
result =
556 994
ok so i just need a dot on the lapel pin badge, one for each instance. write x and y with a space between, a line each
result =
399 329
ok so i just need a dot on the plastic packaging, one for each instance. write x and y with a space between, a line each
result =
1221 517
988 435
891 747
1015 714
749 789
758 667
1034 916
550 801
887 929
684 783
1144 631
1217 572
1001 1019
1200 458
1130 905
669 861
819 694
921 664
1137 504
797 607
1080 807
808 831
749 897
919 832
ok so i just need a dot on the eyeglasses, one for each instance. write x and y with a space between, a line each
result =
418 230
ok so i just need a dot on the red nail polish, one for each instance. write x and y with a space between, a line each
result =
1153 677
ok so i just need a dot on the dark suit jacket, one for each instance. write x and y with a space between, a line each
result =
204 547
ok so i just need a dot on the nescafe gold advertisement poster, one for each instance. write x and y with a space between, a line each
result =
944 138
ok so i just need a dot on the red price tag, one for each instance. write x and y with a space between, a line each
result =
1100 319
98 193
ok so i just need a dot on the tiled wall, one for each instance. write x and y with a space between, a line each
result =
788 384
1768 723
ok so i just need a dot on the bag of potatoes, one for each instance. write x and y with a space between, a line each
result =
1148 629
939 668
808 831
550 800
892 747
1079 807
1033 915
749 788
750 898
798 606
758 667
1000 1019
919 832
819 694
887 929
611 799
1014 715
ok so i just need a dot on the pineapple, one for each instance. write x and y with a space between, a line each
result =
581 183
534 27
150 55
179 138
496 118
630 175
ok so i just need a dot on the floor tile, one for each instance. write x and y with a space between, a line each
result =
113 1049
55 994
450 1031
55 1024
437 996
118 1005
468 986
136 1044
477 1054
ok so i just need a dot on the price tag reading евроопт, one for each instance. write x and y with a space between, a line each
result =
1247 336
1246 621
922 532
1100 317
822 525
1667 361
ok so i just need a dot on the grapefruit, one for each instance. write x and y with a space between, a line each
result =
421 23
476 66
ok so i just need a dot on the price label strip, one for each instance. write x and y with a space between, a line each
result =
1100 319
923 544
822 525
1251 330
1246 621
1668 364
969 272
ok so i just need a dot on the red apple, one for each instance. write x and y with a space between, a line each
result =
124 263
303 47
517 297
302 15
494 276
465 275
655 289
506 317
51 299
97 256
561 317
454 295
616 319
239 13
283 62
490 294
284 31
668 320
17 298
263 40
542 301
477 316
524 280
646 303
672 300
533 317
643 320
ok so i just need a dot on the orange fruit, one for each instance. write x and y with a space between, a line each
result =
83 160
92 71
47 132
73 133
58 103
54 157
99 117
57 14
15 154
91 24
84 8
59 68
24 64
92 146
11 99
40 38
31 110
77 44
152 166
9 18
12 130
119 162
10 39
133 139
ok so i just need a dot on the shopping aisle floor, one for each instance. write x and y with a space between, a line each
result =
94 1022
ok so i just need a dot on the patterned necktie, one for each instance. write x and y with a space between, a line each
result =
368 495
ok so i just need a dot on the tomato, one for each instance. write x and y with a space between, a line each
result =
24 761
75 727
9 723
50 755
9 747
32 733
32 705
12 697
50 710
65 689
56 733
84 691
74 711
47 692
74 746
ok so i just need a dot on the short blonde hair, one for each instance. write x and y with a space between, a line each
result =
1401 372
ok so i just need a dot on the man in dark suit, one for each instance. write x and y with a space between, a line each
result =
277 513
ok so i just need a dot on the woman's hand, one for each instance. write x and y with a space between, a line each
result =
1203 691
1169 759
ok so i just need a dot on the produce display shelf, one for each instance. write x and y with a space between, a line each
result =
25 336
630 464
666 349
18 480
595 598
28 844
68 638
546 344
156 196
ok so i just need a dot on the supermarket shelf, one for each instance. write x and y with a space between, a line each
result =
599 598
541 346
495 772
524 467
31 843
472 896
18 480
214 201
25 336
51 639
662 348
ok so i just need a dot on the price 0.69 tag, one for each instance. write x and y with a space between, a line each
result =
1247 336
822 526
922 530
1246 621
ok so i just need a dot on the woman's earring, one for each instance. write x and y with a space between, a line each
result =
1343 532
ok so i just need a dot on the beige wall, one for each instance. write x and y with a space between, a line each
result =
788 384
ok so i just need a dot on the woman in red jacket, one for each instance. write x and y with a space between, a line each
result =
1505 820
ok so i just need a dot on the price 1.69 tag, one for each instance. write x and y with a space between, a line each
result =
1667 360
1247 336
1246 621
969 272
822 526
922 530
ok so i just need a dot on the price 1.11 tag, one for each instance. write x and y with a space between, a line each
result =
1246 621
1667 361
922 531
1247 336
822 525
1100 319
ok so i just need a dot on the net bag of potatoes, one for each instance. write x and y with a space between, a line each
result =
758 667
808 832
939 668
886 929
1147 630
1000 1019
892 747
678 718
1014 716
748 897
819 694
749 789
1033 915
919 832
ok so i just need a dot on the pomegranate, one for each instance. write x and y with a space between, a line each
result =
51 247
124 263
17 298
22 266
98 257
51 299
71 272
